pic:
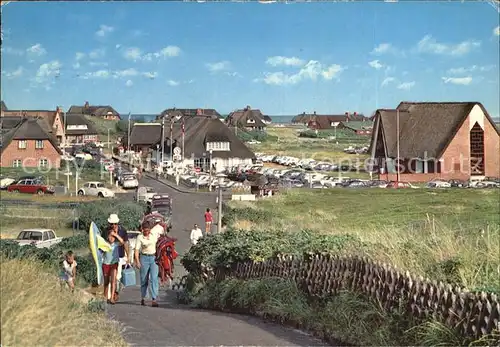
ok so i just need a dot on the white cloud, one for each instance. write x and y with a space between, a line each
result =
104 30
496 31
14 74
473 68
388 80
79 56
97 53
129 83
406 85
48 70
284 61
136 54
376 64
429 45
125 73
464 81
219 66
101 74
385 48
76 65
12 51
312 70
173 83
37 50
150 75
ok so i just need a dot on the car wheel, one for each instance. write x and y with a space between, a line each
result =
40 192
100 195
81 193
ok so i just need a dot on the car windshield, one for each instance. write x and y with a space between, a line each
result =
127 178
100 185
150 190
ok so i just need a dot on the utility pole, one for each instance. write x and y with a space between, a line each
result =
162 141
397 138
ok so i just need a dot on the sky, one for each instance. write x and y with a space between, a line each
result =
144 57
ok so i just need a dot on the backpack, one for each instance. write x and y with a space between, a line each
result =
165 255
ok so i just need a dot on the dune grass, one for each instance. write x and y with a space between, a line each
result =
449 235
289 143
35 311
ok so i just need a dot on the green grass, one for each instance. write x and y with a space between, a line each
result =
450 235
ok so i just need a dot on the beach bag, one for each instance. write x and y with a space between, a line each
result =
128 276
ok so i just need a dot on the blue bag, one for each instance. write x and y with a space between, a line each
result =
128 276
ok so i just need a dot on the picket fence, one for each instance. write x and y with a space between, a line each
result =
474 314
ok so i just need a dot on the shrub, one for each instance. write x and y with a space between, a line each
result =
261 136
130 213
122 126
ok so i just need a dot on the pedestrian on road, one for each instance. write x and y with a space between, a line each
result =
145 252
110 265
123 249
208 221
196 234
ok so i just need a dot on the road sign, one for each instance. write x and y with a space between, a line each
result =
111 168
177 151
197 169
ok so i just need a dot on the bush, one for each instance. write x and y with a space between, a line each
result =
130 213
260 136
122 126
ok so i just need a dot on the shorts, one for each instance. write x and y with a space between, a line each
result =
107 268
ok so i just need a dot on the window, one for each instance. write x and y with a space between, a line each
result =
218 146
43 162
92 185
51 235
17 163
39 144
477 150
22 144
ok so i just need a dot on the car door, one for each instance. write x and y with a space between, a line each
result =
29 187
92 189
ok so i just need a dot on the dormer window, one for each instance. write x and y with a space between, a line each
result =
251 121
218 146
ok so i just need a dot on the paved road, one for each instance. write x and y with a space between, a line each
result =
176 325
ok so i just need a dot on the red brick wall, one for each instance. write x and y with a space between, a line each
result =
491 151
30 156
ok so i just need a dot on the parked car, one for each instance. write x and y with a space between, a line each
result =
96 189
130 182
5 182
400 185
438 184
40 238
31 186
458 184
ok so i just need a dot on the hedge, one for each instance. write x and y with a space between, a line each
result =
130 213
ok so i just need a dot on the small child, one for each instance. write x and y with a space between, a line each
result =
110 262
69 270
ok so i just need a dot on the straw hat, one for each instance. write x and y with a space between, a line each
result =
113 219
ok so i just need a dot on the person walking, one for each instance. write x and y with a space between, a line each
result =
196 235
110 265
145 252
69 270
208 221
123 250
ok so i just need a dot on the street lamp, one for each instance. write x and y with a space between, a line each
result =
220 179
210 172
108 136
158 155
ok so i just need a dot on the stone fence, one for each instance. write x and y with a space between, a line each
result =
474 314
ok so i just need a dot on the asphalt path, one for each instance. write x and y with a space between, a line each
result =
173 324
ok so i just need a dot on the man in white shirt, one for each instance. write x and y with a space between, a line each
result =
196 234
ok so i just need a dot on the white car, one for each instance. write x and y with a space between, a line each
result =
145 194
5 182
95 189
130 181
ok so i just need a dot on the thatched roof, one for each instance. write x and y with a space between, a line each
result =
145 133
425 128
246 117
29 129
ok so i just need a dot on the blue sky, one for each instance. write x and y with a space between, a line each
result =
144 57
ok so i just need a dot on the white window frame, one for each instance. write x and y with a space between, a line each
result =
218 146
38 144
22 144
17 163
43 162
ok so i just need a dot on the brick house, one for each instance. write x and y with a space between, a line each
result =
104 112
29 144
437 140
52 118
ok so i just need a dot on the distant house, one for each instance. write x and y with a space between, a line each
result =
204 135
447 140
247 118
104 112
3 107
177 113
52 118
359 128
29 144
326 121
143 136
79 129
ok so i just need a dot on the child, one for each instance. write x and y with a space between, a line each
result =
110 262
69 270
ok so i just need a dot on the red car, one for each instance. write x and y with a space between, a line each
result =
396 185
30 186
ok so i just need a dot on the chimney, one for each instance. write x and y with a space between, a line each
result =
355 114
86 104
248 108
314 112
199 112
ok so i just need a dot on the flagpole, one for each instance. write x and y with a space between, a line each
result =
397 138
183 132
171 139
162 141
128 134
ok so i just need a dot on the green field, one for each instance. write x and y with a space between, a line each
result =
422 231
